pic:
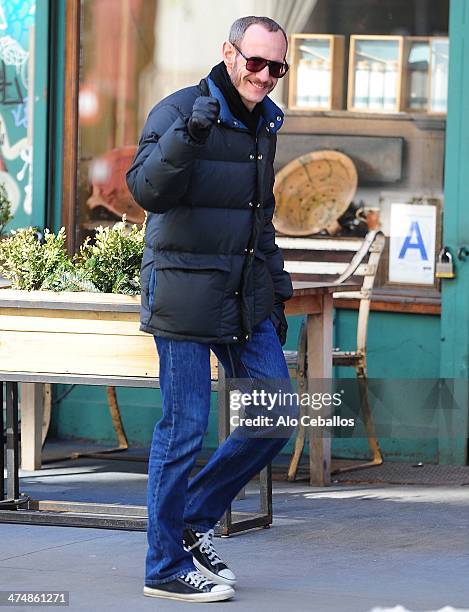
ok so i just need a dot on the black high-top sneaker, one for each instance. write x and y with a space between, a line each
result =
192 586
206 558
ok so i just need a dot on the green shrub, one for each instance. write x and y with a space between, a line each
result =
112 261
109 264
31 265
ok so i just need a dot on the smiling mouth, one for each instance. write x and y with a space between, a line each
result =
259 87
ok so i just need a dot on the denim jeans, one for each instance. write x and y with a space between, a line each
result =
174 501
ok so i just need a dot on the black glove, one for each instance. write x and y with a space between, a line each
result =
204 114
280 321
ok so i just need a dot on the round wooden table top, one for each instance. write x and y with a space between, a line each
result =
312 192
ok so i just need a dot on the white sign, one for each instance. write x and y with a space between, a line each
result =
412 244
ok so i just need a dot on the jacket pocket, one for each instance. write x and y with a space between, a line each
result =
189 295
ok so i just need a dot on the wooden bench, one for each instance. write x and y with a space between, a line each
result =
338 260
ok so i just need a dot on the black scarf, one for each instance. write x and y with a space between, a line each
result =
222 80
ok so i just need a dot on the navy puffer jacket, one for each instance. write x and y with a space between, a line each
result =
211 269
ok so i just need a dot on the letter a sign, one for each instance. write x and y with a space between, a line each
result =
412 244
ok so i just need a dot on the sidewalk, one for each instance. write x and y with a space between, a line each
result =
346 548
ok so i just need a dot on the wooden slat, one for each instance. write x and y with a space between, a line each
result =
83 379
71 322
69 300
302 288
319 244
78 354
305 255
355 295
81 353
391 306
325 267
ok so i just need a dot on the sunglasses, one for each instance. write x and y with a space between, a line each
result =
256 64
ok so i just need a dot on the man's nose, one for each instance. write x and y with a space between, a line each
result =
264 74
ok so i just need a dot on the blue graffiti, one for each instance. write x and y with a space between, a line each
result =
20 114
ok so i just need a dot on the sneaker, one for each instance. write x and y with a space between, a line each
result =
205 557
192 586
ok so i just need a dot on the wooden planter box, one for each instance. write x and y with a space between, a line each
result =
74 333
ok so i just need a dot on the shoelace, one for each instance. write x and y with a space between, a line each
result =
206 546
195 578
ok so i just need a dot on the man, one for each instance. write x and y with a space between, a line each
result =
212 278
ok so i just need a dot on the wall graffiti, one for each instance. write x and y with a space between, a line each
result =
16 146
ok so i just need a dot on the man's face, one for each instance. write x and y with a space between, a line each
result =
256 42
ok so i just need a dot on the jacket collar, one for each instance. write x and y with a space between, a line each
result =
271 114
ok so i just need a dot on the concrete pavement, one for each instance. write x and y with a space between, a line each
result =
340 549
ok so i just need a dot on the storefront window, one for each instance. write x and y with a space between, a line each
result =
381 101
117 42
368 78
133 54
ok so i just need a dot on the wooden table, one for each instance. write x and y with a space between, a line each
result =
45 338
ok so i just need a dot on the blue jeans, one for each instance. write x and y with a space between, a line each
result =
174 501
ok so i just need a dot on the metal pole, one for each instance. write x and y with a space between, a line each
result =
2 447
13 486
223 433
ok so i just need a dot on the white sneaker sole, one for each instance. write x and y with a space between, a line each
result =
196 597
211 575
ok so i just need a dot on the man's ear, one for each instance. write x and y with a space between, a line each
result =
229 55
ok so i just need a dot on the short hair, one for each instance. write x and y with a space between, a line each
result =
239 27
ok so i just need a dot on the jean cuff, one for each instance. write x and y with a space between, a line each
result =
181 572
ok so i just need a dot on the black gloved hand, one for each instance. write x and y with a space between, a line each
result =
280 321
204 114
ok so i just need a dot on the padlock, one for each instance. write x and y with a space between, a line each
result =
444 265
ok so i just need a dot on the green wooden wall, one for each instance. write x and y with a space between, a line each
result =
400 347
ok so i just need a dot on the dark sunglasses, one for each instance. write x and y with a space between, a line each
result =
256 64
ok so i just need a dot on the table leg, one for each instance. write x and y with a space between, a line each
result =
32 401
319 335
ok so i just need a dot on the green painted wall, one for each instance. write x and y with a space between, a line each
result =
400 346
403 356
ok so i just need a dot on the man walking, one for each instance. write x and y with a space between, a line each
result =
212 278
